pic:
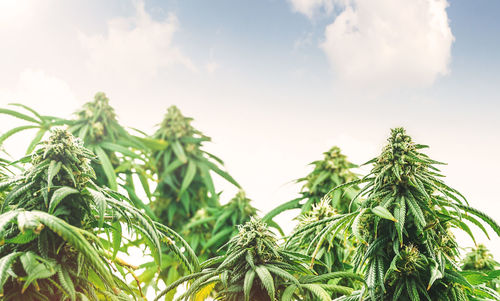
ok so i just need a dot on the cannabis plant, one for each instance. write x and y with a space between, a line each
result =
332 171
335 253
479 259
255 268
121 154
61 232
479 265
406 249
4 174
210 228
96 124
184 181
7 167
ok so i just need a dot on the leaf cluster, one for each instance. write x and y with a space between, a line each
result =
256 268
185 184
61 232
406 249
332 171
210 228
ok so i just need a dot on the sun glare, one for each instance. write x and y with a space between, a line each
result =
10 9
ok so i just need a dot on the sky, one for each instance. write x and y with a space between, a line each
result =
275 83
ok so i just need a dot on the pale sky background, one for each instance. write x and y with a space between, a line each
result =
275 83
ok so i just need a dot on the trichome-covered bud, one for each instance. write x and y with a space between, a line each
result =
319 211
256 236
63 152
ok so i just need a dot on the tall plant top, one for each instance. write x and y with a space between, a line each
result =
210 228
480 258
334 162
184 181
97 122
403 227
400 162
334 170
175 126
256 235
241 208
98 109
49 226
387 235
62 151
320 211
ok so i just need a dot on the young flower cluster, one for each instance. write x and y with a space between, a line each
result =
175 125
330 172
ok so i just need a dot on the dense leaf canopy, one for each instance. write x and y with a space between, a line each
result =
406 249
65 225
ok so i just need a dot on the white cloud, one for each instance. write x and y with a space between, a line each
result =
311 8
136 48
390 43
385 43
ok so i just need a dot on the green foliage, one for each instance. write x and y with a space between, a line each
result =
96 122
185 192
481 267
185 184
53 227
335 253
332 171
37 121
479 259
63 225
256 268
210 228
5 173
406 248
118 151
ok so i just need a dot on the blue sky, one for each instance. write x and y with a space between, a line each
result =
275 83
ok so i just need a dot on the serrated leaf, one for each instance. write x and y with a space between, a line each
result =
107 167
15 130
59 195
266 279
67 283
383 213
179 151
188 177
18 115
117 237
54 168
435 273
248 283
5 264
